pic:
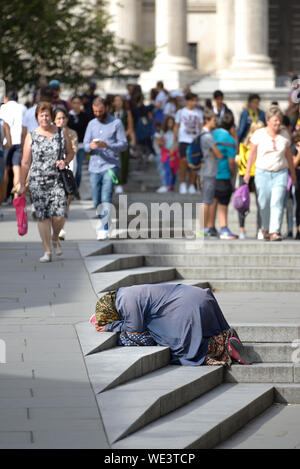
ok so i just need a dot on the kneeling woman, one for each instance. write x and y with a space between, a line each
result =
186 319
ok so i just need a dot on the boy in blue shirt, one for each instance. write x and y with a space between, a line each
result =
226 170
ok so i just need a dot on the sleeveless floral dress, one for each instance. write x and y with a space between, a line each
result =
47 191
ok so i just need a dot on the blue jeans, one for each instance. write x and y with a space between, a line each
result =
79 159
271 189
102 190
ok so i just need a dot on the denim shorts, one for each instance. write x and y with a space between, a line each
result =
208 190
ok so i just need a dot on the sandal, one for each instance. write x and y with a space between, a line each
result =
266 235
275 237
57 248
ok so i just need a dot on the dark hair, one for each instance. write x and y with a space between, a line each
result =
44 106
191 96
46 94
253 96
61 109
76 96
160 84
208 104
286 121
218 94
153 94
227 121
165 127
12 95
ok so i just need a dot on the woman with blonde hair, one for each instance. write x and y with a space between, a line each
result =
271 150
242 157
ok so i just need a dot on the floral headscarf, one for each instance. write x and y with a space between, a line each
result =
106 312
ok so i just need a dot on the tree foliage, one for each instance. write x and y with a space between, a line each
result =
64 39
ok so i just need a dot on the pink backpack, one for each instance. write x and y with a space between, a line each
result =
241 199
21 214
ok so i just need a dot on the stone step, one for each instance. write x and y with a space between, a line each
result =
206 421
239 273
111 368
134 405
268 333
113 280
207 247
111 262
225 260
253 285
270 353
264 373
92 341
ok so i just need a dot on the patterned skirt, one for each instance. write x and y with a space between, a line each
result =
217 352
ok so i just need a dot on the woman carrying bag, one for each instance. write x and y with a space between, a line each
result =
271 152
40 156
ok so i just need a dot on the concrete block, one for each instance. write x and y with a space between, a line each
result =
287 393
267 333
205 422
261 373
111 368
132 406
92 341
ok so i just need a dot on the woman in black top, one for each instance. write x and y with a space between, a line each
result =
78 121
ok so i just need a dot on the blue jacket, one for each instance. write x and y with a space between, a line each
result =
246 121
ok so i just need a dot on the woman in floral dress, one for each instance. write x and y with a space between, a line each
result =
42 149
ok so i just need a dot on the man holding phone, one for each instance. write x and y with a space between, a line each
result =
105 139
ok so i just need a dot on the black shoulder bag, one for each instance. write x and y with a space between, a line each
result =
66 175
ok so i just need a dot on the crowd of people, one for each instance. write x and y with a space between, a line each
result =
262 149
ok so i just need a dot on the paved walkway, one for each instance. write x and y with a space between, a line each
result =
46 400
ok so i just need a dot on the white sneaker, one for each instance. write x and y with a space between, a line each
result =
260 236
46 258
119 190
242 236
192 189
62 235
183 188
102 234
162 190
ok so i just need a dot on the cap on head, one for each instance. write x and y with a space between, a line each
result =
54 84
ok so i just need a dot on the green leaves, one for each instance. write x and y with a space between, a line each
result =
64 39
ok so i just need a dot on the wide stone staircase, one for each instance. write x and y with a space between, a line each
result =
144 401
147 403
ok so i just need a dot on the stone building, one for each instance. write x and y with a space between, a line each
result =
236 45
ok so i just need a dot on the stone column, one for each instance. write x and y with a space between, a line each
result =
251 68
225 33
126 19
171 64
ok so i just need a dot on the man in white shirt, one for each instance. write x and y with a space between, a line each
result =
188 125
12 113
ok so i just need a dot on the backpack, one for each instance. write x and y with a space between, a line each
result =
194 153
143 128
241 199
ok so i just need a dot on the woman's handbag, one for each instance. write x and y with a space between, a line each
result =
21 214
142 339
66 174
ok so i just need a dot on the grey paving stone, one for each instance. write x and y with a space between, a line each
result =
88 439
15 437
